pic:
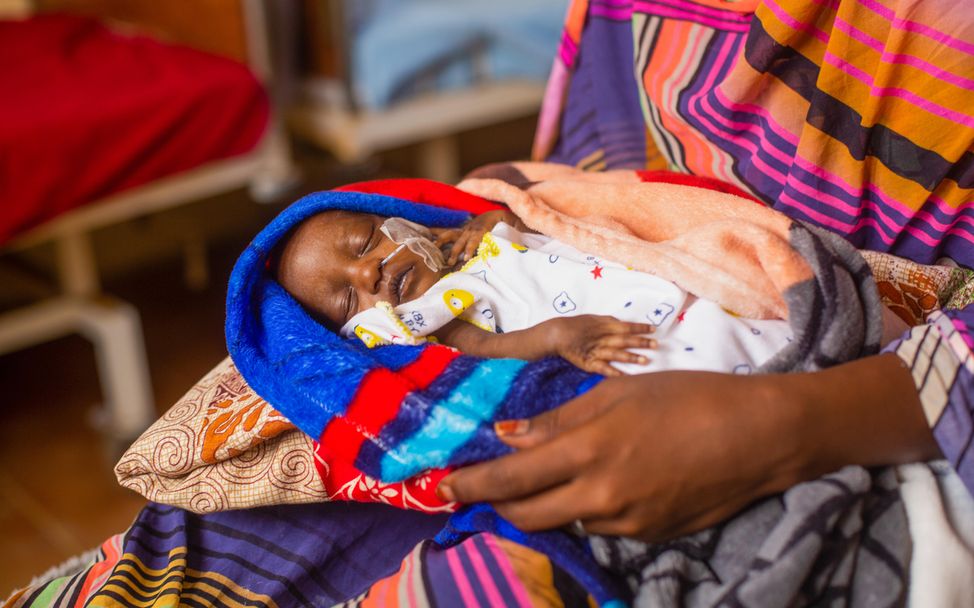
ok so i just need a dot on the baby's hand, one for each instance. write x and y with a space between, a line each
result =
590 342
466 239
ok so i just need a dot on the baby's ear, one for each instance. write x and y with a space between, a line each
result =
273 263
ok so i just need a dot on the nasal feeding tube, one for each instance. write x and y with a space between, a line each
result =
386 259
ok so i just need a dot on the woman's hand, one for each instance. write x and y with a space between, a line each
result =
465 240
650 456
656 456
591 342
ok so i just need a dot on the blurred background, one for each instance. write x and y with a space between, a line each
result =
142 143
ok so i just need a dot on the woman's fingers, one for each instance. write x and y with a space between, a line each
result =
549 452
642 519
558 506
515 475
544 427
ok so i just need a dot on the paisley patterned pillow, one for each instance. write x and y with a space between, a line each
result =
222 447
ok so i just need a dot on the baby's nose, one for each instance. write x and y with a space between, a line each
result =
366 274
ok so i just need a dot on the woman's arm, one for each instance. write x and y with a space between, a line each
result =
660 455
589 342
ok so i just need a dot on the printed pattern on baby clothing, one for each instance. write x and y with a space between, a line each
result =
518 280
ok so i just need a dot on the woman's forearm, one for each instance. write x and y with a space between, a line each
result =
865 412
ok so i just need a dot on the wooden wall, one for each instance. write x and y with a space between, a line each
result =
322 50
211 25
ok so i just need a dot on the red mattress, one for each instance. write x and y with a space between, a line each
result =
86 112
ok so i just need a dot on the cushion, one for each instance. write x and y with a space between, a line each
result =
222 447
913 291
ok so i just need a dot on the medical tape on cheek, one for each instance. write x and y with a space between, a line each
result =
417 238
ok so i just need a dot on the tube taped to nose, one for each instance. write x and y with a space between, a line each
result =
417 238
386 259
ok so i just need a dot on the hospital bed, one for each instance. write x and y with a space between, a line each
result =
134 159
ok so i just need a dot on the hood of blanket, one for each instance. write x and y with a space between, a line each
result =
287 357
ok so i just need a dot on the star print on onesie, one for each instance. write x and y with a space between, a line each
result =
563 303
660 313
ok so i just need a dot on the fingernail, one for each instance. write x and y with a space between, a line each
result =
643 360
445 492
507 428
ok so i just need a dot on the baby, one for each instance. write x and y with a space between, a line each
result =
517 295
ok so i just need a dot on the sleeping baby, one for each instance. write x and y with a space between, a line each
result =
495 289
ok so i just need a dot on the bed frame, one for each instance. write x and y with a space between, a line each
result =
113 326
329 116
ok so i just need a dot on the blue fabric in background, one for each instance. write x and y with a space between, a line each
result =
399 45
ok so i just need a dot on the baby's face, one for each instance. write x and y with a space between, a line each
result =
332 266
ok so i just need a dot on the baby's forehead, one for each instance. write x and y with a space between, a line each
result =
330 225
316 240
338 217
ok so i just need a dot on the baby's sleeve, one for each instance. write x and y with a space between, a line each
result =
379 326
410 323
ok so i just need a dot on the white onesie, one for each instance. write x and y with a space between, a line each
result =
518 280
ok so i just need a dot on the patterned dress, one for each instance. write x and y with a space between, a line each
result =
855 115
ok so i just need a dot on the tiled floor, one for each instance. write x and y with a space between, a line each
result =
58 495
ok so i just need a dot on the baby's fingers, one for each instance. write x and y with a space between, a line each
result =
606 354
447 235
472 245
459 248
597 366
621 341
625 327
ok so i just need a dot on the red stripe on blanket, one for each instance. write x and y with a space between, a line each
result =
378 398
425 191
343 481
699 181
429 365
375 404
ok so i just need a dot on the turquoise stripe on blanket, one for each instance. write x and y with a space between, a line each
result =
453 420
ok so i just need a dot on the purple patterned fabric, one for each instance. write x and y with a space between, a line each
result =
824 110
